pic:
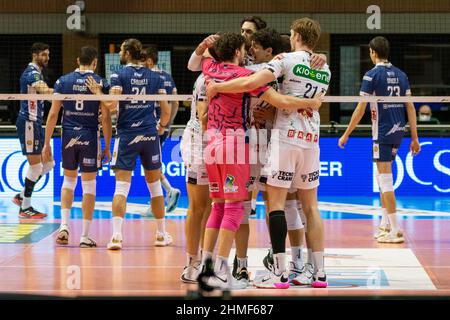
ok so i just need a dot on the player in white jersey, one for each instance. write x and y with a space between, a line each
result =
192 146
296 138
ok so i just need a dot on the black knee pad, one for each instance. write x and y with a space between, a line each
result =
278 231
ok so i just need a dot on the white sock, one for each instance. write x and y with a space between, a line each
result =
22 193
161 225
166 184
190 259
318 261
296 253
384 218
254 204
242 262
279 260
205 256
117 225
221 266
85 230
65 217
393 221
26 203
310 257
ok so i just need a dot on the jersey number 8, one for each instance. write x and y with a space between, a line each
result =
79 105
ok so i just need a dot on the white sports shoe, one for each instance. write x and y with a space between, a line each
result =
191 272
115 243
392 237
163 239
295 269
172 199
272 281
305 278
382 231
222 282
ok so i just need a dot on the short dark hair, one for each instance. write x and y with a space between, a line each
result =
226 46
87 55
285 43
38 47
213 53
150 52
268 38
381 46
134 47
258 21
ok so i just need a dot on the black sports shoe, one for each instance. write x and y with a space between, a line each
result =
30 213
235 267
87 243
17 200
242 274
268 262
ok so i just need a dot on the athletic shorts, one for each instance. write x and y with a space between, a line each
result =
127 147
191 148
228 179
384 152
81 149
31 136
293 167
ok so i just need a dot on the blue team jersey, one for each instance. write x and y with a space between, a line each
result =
169 85
137 116
31 110
79 115
388 119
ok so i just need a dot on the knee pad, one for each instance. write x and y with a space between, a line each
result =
247 210
216 216
122 188
89 187
386 182
34 172
47 167
232 216
155 189
293 220
69 183
278 231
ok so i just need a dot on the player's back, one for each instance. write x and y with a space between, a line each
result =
31 110
80 114
137 115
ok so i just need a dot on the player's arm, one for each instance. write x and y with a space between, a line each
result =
164 120
356 118
50 128
202 113
318 60
289 102
173 107
113 104
244 84
195 61
107 132
42 88
412 120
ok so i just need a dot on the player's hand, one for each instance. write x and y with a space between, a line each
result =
318 61
160 129
343 141
264 114
93 86
414 147
106 155
316 101
209 41
211 90
47 155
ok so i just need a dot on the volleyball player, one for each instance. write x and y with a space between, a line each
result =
80 140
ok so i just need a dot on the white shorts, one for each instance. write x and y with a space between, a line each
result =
192 153
197 174
293 167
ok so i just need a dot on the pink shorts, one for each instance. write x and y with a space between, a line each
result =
227 164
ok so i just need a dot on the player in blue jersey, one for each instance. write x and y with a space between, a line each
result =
137 135
150 60
29 128
388 127
80 141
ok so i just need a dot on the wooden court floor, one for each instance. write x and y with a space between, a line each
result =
141 269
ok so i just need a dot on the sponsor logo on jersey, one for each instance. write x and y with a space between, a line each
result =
76 142
141 138
213 187
396 128
137 124
229 184
315 75
313 176
29 142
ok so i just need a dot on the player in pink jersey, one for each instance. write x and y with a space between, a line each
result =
226 155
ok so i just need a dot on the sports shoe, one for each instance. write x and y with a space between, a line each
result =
148 213
86 242
242 278
319 281
392 237
163 239
235 267
305 277
294 270
382 231
191 272
17 200
63 237
31 213
222 282
253 212
268 261
115 243
172 199
272 281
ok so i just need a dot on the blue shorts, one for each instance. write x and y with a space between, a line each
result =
81 149
31 136
127 147
384 152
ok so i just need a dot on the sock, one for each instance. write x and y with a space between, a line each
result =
278 231
310 257
85 230
279 261
384 218
296 253
205 256
242 262
65 216
393 221
318 261
29 187
254 204
22 193
221 267
166 185
117 225
161 223
190 259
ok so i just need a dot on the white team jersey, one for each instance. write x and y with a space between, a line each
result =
299 129
198 94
